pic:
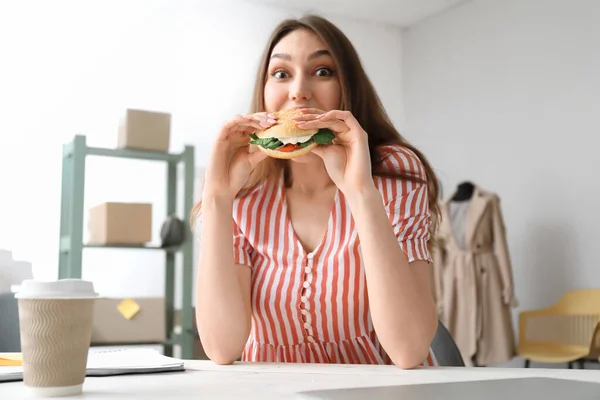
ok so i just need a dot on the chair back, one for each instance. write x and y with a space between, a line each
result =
10 338
444 348
581 301
572 321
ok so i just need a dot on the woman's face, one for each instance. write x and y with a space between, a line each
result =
301 73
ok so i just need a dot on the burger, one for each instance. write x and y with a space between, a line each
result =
286 141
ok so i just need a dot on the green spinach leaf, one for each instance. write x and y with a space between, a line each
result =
324 136
267 143
304 144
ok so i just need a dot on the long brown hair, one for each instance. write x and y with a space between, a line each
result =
358 96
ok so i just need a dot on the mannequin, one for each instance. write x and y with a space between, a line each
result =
473 279
464 191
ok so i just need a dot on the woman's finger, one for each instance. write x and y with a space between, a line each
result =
346 116
231 124
335 125
261 114
264 115
311 111
243 121
306 117
242 132
265 120
257 125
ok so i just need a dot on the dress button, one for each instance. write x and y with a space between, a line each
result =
310 256
307 270
306 285
305 312
311 339
307 325
304 299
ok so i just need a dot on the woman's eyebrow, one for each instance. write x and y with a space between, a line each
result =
319 53
287 57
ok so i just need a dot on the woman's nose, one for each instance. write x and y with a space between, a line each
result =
300 90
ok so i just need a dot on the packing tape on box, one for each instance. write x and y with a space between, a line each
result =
128 308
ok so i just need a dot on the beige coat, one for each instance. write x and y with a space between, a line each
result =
473 287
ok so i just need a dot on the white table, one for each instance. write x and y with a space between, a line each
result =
205 380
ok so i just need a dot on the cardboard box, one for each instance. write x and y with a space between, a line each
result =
135 320
145 130
120 223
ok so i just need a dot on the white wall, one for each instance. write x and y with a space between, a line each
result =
73 66
507 94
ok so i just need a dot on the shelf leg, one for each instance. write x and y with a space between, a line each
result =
187 320
169 304
170 262
71 210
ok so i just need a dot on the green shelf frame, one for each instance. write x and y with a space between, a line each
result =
71 244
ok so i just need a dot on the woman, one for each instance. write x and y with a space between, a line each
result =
295 286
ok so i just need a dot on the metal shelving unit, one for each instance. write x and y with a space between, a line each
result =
71 229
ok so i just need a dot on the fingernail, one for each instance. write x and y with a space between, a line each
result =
264 123
271 120
270 115
319 116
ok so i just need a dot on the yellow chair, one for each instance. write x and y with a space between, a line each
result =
567 332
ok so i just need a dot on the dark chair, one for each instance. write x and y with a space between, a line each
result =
10 340
445 349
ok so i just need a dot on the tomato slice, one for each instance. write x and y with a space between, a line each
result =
288 148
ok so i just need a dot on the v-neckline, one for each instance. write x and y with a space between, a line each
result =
290 226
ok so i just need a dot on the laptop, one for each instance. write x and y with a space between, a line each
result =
497 389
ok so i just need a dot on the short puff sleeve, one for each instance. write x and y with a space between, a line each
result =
406 203
242 249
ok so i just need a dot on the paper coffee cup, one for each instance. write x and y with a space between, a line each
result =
55 321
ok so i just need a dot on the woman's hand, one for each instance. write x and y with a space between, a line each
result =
347 159
231 162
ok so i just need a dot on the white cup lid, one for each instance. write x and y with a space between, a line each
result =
60 289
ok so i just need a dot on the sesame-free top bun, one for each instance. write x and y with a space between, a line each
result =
285 127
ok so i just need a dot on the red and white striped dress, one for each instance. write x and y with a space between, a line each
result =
314 307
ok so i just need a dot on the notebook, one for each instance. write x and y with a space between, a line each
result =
110 363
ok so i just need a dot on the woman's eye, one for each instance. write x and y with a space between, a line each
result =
324 72
280 74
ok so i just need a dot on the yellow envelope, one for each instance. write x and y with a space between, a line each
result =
11 359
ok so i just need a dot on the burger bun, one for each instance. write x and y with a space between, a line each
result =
285 127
